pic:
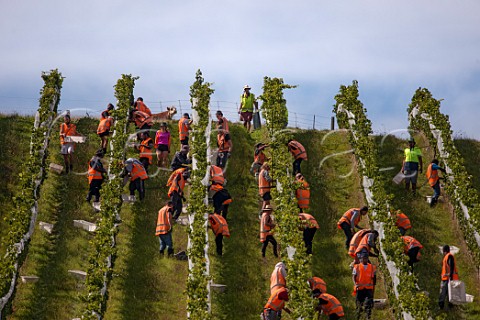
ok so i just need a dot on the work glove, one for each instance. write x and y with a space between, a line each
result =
228 154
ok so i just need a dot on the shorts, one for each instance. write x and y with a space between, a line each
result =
67 148
246 116
267 196
411 176
162 147
104 134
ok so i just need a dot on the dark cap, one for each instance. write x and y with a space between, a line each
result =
186 115
411 140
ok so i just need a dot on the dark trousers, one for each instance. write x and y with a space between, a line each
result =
333 317
296 166
443 293
177 204
412 255
219 243
364 299
145 163
272 240
94 190
402 231
348 233
139 185
222 159
184 141
308 235
218 198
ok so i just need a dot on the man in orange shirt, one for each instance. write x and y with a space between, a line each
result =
164 228
184 128
67 129
299 154
364 280
224 144
449 273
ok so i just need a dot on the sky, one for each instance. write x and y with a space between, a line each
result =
390 47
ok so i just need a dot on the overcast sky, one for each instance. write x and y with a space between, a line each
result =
390 47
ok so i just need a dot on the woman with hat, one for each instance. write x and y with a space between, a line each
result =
162 145
247 101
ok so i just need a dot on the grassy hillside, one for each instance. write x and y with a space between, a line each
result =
433 227
145 285
470 151
56 294
14 148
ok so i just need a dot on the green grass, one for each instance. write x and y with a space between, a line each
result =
57 294
146 285
433 227
335 188
15 134
470 151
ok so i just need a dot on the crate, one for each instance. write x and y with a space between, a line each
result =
90 227
456 292
56 168
398 178
76 139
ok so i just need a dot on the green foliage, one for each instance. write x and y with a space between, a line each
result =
101 259
198 279
275 112
31 178
408 299
274 107
460 189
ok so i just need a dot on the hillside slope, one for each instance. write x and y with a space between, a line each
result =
470 151
433 227
145 285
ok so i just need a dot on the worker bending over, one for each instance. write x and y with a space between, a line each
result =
302 193
219 226
299 154
134 168
275 304
349 221
96 173
328 305
309 225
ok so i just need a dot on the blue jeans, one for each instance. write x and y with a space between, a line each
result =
166 241
436 190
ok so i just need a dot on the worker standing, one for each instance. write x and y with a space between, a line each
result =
367 244
162 144
329 305
364 280
302 193
411 165
67 129
412 249
184 128
181 159
103 130
222 121
402 223
266 227
449 272
164 228
134 168
247 102
219 226
278 277
265 184
349 221
175 192
146 150
224 144
309 226
434 180
275 304
299 154
259 158
95 176
141 106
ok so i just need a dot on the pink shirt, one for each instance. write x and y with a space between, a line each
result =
162 137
